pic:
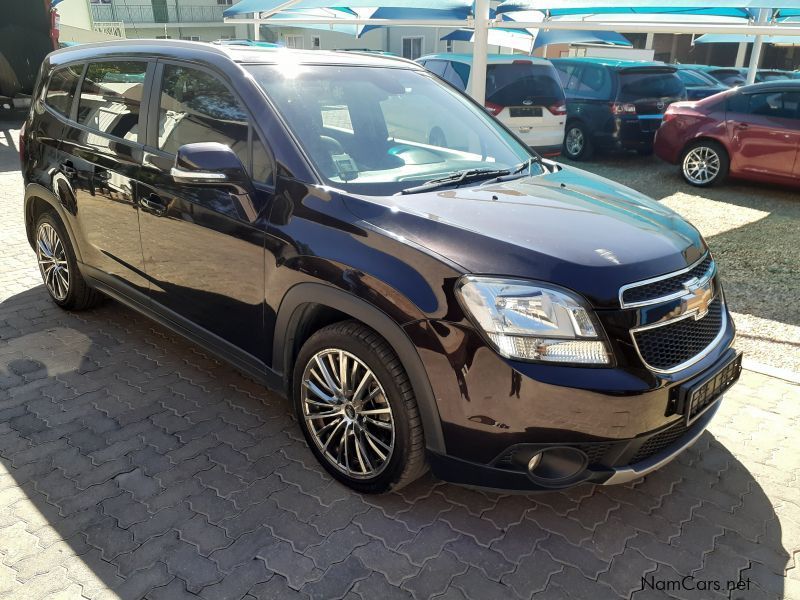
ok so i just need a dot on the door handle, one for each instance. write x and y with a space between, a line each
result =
154 205
67 169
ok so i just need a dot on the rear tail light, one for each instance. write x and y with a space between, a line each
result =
494 109
668 116
522 62
623 108
558 109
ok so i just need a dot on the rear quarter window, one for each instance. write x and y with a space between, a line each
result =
62 87
111 98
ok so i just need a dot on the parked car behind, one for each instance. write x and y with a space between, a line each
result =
752 132
727 76
615 104
505 320
698 84
524 93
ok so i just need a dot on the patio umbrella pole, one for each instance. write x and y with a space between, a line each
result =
755 55
480 49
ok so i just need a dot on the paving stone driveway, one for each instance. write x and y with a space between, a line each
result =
133 465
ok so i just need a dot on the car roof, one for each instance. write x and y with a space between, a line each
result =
781 85
492 59
615 63
218 53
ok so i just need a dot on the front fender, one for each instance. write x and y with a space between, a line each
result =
286 327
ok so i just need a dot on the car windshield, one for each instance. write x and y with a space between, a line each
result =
655 83
523 82
378 131
692 78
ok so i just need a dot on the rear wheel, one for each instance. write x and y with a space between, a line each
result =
59 267
704 163
357 409
577 144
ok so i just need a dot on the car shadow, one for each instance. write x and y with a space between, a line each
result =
9 159
139 462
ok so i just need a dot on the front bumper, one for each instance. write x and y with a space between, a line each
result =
486 476
623 421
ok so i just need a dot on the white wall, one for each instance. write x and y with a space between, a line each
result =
75 13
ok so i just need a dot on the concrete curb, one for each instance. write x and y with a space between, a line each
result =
770 371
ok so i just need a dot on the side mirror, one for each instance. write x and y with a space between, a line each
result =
209 163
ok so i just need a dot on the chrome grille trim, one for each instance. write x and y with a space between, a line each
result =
696 358
712 271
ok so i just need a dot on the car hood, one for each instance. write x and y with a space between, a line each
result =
567 227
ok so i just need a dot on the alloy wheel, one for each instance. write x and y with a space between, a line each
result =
52 259
347 413
575 141
701 165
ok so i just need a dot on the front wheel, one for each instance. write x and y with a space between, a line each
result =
357 409
704 163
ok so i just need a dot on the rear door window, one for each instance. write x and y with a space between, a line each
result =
62 87
523 83
452 77
635 85
592 82
111 98
695 79
778 105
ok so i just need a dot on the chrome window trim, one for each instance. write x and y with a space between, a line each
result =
669 297
697 357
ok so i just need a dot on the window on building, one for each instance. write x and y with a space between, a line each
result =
225 2
191 38
163 37
294 41
61 90
316 42
412 47
448 46
111 96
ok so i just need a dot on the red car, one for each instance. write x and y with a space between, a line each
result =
751 132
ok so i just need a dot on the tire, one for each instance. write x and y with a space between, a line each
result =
698 161
403 447
577 142
58 266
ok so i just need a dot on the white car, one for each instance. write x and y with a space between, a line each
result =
523 92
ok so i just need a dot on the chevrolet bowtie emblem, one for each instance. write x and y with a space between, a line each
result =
699 294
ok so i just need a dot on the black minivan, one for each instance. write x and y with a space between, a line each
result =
615 104
501 319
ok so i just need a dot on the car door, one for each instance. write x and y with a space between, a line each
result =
203 246
765 133
102 161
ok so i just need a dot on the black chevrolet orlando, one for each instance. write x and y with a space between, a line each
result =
461 306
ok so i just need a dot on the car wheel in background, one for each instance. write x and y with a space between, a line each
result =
704 163
577 145
357 409
59 268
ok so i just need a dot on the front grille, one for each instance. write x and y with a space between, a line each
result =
665 287
664 348
659 441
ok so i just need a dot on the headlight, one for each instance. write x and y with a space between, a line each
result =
531 321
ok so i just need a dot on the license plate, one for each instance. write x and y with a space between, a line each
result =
525 111
697 397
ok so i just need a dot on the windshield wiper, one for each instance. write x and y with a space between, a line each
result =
527 164
457 178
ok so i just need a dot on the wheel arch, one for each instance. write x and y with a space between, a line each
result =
704 137
307 307
39 199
